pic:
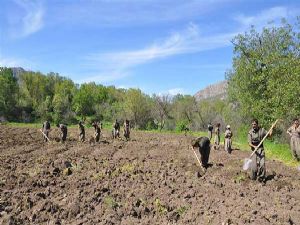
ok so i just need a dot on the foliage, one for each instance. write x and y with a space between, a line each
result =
265 78
8 92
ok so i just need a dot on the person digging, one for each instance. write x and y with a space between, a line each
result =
203 145
256 136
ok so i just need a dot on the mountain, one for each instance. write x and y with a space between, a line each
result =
17 71
214 91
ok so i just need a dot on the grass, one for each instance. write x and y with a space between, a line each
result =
110 202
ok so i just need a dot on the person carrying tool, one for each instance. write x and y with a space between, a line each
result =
255 136
227 141
46 129
294 132
63 132
203 144
81 131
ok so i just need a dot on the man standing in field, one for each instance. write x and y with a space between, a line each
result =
203 144
294 132
116 129
97 131
255 136
127 129
228 142
217 137
46 129
81 131
63 132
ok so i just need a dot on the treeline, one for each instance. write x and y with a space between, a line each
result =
33 96
264 82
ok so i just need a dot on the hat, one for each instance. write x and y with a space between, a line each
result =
228 126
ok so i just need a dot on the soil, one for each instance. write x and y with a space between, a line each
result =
151 179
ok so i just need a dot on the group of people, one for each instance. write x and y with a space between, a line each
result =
227 136
63 130
256 136
117 127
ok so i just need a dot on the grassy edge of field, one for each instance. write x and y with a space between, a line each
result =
274 151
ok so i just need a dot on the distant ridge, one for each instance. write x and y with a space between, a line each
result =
214 91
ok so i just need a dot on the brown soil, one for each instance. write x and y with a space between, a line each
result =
151 179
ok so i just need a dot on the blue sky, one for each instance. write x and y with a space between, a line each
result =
159 46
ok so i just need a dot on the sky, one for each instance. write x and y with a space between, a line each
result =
159 46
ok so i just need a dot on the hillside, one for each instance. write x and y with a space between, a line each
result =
218 90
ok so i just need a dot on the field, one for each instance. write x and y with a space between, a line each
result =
152 179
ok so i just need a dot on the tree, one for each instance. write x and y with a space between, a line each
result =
265 77
136 107
8 92
161 109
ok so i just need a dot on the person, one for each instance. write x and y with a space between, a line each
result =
63 132
203 144
210 130
217 137
255 136
294 132
228 142
126 129
81 131
116 129
46 129
97 131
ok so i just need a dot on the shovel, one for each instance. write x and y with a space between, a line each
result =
248 163
45 136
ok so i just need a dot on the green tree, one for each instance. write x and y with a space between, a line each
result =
8 92
137 107
265 77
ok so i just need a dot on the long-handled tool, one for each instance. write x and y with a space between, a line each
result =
196 156
45 136
248 163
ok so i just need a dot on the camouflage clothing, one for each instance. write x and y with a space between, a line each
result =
259 168
63 132
46 129
116 129
217 137
203 143
210 130
228 141
81 132
295 141
127 130
97 132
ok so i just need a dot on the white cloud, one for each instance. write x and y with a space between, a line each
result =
102 77
32 20
9 62
133 12
274 15
187 41
175 91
